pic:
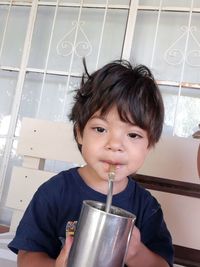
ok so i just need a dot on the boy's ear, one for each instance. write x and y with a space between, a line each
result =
78 136
149 148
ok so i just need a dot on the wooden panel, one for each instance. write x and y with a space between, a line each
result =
173 158
24 182
168 185
4 229
33 163
187 256
16 218
182 215
48 140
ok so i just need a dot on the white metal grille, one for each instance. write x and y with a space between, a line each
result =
40 58
167 39
42 44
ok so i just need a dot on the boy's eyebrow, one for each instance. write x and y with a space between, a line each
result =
101 117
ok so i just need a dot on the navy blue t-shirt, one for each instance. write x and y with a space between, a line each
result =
59 200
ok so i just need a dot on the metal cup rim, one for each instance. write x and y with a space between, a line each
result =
115 211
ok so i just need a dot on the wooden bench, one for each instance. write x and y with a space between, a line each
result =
39 142
46 147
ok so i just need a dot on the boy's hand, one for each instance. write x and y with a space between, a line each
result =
138 255
61 261
134 244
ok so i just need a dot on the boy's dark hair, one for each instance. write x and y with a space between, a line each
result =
133 91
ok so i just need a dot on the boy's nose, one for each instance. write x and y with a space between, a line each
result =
115 144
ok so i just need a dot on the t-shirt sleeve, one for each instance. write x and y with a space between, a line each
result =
37 229
155 235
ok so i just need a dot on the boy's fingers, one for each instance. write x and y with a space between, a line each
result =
64 253
68 244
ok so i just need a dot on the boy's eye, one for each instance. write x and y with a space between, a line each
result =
100 129
134 135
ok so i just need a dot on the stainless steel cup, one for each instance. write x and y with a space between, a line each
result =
101 239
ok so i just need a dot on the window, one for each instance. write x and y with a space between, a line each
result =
41 48
167 39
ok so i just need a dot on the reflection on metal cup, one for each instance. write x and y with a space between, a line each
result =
101 238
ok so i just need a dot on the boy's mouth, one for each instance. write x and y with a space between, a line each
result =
108 163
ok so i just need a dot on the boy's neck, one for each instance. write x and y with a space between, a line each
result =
101 186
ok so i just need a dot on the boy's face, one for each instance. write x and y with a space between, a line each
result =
108 140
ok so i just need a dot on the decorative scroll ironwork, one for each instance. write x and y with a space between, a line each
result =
175 56
66 46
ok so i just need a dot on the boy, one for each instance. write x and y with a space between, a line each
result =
118 116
